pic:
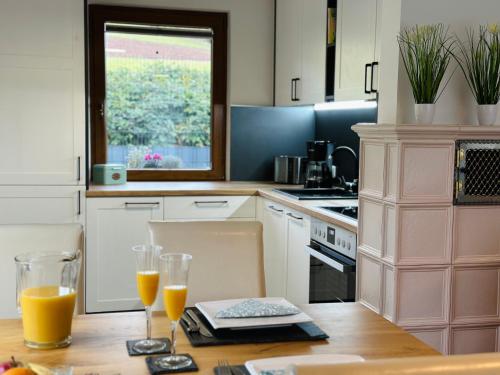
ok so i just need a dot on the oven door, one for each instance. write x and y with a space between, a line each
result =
332 277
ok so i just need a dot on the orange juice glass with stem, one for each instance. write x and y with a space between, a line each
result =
47 285
147 278
175 269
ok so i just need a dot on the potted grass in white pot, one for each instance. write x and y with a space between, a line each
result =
426 51
480 62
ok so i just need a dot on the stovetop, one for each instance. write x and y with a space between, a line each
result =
318 193
349 211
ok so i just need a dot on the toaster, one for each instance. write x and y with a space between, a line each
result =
289 169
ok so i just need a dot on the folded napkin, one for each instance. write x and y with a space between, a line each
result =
252 308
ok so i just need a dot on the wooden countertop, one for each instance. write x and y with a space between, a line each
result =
99 341
179 188
209 188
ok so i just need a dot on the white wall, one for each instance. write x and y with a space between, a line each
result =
457 105
389 61
251 47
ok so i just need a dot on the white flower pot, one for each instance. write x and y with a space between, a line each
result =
424 113
486 114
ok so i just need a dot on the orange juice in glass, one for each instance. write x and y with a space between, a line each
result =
147 285
147 278
175 270
46 293
174 298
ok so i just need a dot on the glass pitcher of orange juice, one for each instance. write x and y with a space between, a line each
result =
47 284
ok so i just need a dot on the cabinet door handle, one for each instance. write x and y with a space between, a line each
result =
78 168
292 84
79 203
373 65
294 90
198 203
294 217
275 209
367 67
141 204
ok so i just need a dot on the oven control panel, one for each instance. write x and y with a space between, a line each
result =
334 237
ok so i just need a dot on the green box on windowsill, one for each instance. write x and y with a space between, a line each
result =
109 174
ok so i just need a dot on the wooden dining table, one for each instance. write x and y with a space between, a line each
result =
98 346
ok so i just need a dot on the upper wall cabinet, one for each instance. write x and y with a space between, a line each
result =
42 92
300 51
357 49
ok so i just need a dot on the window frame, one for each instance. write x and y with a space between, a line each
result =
99 15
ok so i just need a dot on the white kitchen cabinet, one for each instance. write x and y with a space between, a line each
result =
114 225
42 92
42 204
298 227
210 208
274 233
358 23
300 51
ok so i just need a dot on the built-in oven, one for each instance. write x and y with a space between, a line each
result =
332 272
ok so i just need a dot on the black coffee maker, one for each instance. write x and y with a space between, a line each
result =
319 165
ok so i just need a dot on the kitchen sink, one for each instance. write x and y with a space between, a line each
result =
318 194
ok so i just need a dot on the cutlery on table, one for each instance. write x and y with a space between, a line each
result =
224 368
203 330
191 326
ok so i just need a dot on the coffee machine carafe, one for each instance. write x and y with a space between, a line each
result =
319 165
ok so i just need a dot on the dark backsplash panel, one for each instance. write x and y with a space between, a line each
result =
260 133
335 125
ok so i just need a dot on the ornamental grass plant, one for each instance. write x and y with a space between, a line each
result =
479 60
426 51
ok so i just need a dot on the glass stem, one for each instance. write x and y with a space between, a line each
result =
148 320
173 326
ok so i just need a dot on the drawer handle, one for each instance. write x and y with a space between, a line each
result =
141 204
294 217
274 209
220 203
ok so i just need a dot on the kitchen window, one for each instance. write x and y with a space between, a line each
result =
158 85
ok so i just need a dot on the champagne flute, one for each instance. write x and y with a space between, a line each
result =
148 278
175 268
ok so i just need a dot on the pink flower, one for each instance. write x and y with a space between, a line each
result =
147 157
157 156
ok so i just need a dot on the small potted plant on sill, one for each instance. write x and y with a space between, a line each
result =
480 63
426 51
152 160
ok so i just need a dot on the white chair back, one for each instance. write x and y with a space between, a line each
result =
18 239
227 256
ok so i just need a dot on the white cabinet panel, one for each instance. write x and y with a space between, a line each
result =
41 205
210 207
274 233
356 46
42 28
313 67
114 225
42 95
288 48
422 296
298 228
300 51
435 337
475 339
369 275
